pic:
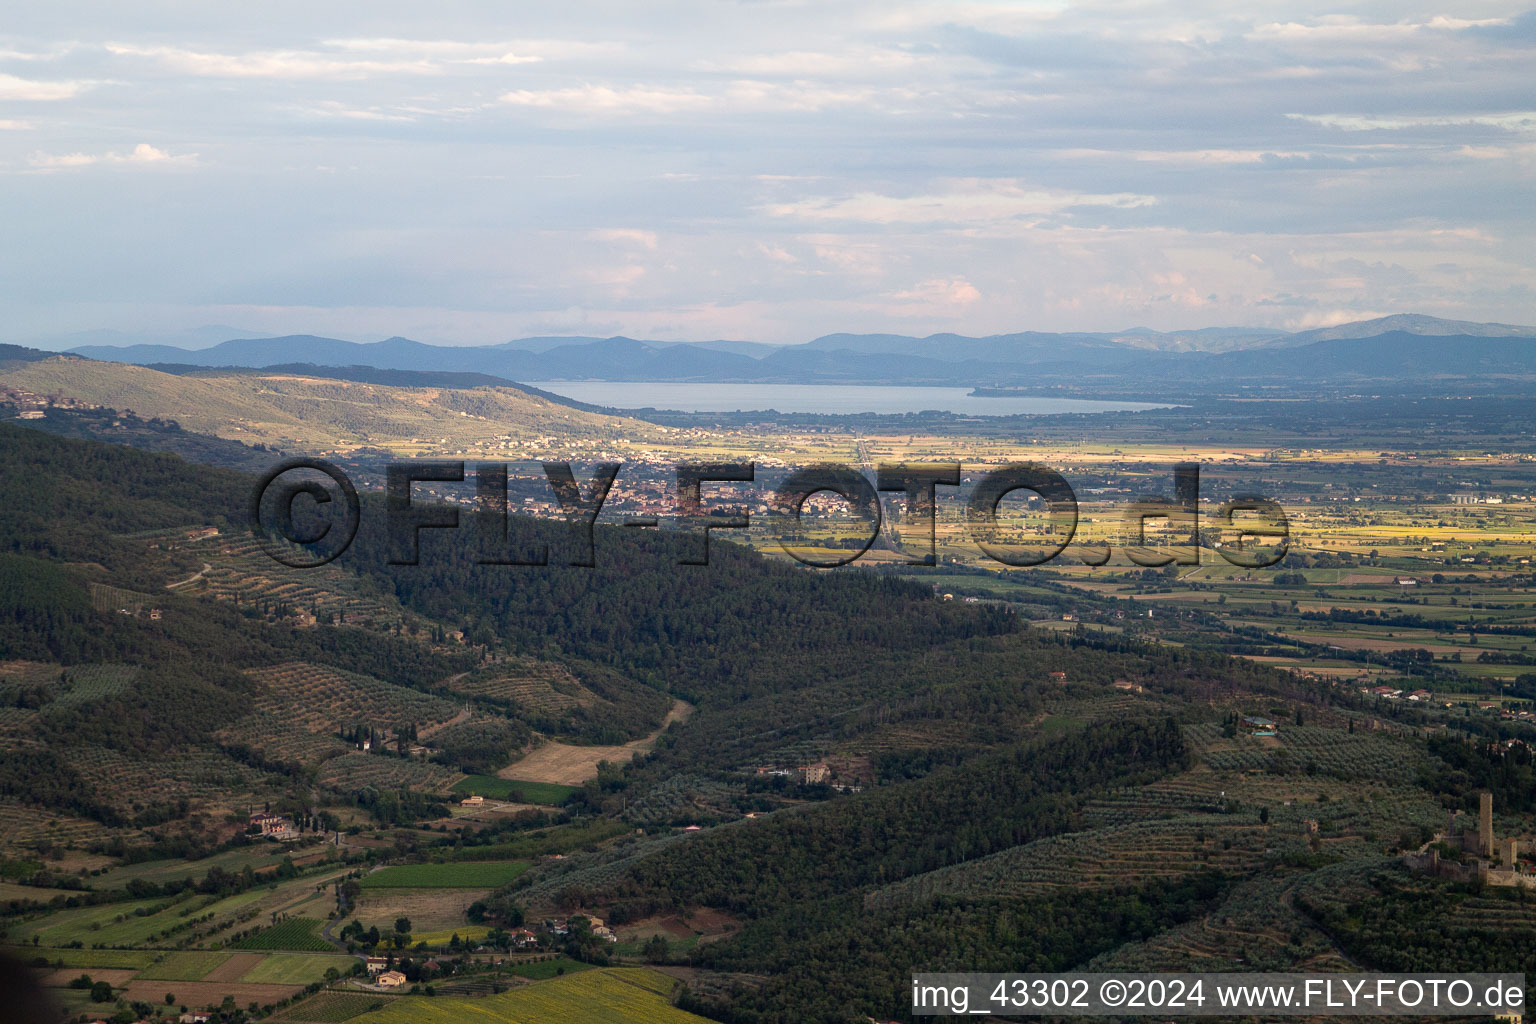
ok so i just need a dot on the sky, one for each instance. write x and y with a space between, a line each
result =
766 171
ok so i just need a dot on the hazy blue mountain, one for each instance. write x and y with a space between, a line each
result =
141 355
1406 323
755 349
1394 355
193 338
1416 345
253 352
544 344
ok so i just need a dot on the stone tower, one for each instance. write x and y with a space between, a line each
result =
1485 824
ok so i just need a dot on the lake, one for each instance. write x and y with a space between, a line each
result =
820 398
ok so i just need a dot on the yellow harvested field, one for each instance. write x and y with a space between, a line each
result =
630 995
430 910
568 765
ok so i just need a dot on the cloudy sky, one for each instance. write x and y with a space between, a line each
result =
763 170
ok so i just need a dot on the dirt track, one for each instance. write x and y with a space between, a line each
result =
569 765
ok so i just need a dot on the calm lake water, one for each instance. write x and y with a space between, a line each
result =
818 398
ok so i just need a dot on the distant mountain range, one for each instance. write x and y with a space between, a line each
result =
1398 347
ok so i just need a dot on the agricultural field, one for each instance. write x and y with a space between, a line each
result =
24 828
548 794
460 875
111 924
1256 928
566 764
199 775
283 740
354 769
442 936
1165 847
207 993
543 970
235 968
323 700
544 688
117 978
295 933
431 911
242 574
30 893
86 683
295 968
683 799
258 857
331 1007
190 965
611 995
133 959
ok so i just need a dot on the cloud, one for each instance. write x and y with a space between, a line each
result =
1190 156
13 88
333 108
738 97
140 156
354 59
52 53
1342 28
940 291
602 99
626 236
512 51
965 202
1513 121
810 167
863 62
295 64
1332 318
45 161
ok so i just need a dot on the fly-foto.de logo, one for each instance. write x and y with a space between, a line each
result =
306 512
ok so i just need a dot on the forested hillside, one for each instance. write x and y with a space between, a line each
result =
798 785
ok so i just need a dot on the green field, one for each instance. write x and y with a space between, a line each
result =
161 871
493 788
442 936
296 968
331 1007
624 995
30 893
192 965
296 933
111 924
558 839
636 947
119 958
543 970
465 875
